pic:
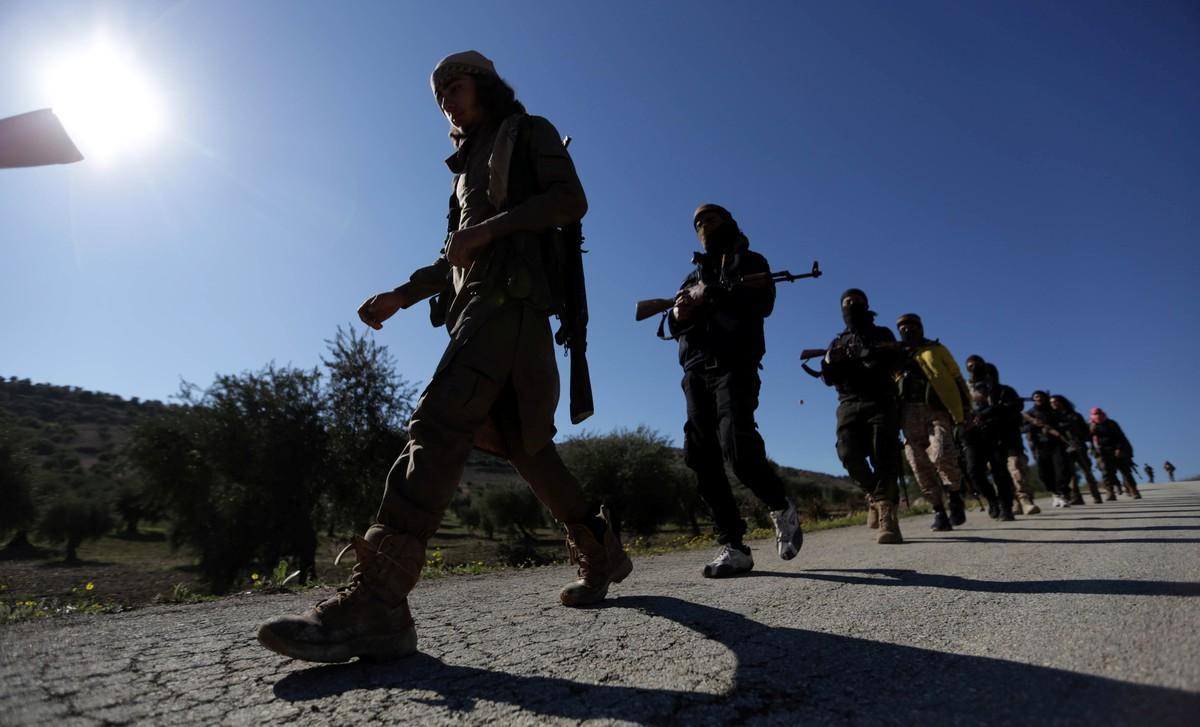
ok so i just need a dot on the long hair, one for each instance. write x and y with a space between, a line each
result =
497 98
1067 403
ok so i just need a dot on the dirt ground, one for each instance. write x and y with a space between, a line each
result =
137 571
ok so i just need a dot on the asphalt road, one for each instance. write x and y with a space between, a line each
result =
1089 615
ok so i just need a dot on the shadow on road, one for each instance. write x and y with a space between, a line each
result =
907 577
778 670
1075 541
1124 517
1147 528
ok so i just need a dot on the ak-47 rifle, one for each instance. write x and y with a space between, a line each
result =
654 306
1043 426
842 355
572 333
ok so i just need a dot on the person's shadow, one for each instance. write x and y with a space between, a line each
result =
780 675
908 577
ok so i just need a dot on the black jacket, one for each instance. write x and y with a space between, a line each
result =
1109 438
1038 436
1000 411
727 330
859 368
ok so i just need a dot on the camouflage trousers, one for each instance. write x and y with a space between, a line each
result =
1016 469
931 451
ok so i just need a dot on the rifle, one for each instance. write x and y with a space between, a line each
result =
654 306
811 353
572 333
35 139
1042 425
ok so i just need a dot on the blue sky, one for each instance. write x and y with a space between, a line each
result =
1026 176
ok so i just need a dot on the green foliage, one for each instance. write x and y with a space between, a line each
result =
278 580
511 508
239 467
75 511
16 483
636 473
436 567
368 404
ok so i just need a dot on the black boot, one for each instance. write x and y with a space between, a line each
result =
994 508
958 510
941 523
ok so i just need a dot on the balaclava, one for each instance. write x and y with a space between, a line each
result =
858 315
916 332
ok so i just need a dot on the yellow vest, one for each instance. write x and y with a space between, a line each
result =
944 376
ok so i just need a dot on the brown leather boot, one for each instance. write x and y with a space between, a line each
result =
872 515
600 563
889 523
368 617
1028 506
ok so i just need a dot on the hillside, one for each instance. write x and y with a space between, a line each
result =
69 429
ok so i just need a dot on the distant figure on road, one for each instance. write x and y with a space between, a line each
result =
1115 451
861 364
720 332
496 386
1170 470
933 401
1149 474
1075 428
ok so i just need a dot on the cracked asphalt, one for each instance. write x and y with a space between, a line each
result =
1089 615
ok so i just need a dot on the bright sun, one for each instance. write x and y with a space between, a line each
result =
106 102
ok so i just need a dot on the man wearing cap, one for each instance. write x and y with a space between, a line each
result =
861 364
496 386
719 325
1115 451
933 400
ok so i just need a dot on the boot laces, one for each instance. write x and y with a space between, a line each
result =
355 582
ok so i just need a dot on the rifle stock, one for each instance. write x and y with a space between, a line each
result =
812 353
652 307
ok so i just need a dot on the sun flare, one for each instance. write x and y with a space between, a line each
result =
107 103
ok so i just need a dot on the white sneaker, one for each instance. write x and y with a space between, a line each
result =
730 561
1066 501
788 535
1056 501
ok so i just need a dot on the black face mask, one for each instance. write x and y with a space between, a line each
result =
915 334
721 240
857 315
